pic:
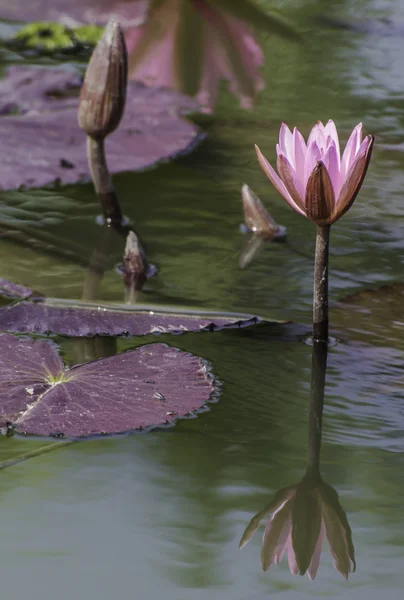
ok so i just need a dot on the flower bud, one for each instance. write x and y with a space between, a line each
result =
257 218
103 94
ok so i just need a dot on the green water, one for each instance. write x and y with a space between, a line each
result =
162 513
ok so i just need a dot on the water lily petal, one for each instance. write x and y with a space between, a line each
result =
306 524
354 179
320 198
293 566
315 561
286 143
292 184
317 135
276 504
351 150
285 537
274 534
300 149
331 161
338 531
331 131
313 156
276 180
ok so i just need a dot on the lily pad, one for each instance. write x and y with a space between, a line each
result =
89 11
13 290
149 386
46 146
43 318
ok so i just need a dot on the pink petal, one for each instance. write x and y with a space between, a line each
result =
315 560
276 504
317 135
331 131
286 143
221 30
351 150
293 568
276 180
363 147
354 178
287 174
313 156
274 535
300 149
331 161
283 541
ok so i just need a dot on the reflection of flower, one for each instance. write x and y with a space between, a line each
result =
313 178
299 516
190 46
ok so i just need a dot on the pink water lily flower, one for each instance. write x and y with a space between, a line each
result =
219 46
300 516
313 177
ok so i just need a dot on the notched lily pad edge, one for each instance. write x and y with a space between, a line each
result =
10 430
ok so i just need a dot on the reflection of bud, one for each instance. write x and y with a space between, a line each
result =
103 95
299 516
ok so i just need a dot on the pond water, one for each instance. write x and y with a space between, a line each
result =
162 513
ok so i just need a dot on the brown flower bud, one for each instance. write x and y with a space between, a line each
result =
257 218
320 197
103 94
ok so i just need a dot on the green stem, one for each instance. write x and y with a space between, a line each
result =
38 452
102 182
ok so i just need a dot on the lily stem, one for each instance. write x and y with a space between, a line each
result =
102 182
318 373
320 296
33 453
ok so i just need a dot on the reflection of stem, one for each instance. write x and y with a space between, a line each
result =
320 298
102 182
318 372
38 452
87 349
97 266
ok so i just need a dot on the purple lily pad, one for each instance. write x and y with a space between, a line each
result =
45 144
89 11
13 290
149 386
42 318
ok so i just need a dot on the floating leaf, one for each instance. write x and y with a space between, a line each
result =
151 385
39 317
151 130
87 11
13 290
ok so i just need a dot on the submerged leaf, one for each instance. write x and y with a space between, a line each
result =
39 317
151 130
151 385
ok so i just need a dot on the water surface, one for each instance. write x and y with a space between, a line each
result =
162 513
